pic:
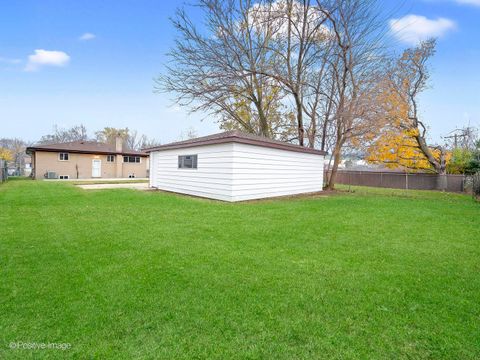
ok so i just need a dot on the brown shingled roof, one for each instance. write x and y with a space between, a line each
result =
86 147
238 137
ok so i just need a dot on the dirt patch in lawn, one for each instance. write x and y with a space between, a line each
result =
135 186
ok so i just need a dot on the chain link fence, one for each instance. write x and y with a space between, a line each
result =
394 180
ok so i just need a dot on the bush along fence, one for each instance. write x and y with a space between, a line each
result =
3 170
397 180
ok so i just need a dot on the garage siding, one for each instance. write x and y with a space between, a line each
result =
236 172
212 178
260 172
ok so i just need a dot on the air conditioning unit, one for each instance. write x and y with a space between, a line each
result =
52 175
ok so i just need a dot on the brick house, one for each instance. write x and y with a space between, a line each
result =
86 160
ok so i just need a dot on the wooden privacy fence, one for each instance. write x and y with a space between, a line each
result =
396 180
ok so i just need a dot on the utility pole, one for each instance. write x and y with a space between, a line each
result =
463 138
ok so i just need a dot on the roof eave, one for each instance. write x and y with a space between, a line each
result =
238 139
75 151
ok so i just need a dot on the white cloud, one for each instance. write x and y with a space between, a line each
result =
87 36
46 58
414 28
469 2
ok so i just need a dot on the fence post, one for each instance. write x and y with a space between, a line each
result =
406 180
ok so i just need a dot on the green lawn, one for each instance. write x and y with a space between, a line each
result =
126 274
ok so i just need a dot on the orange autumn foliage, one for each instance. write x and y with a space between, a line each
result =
396 145
399 150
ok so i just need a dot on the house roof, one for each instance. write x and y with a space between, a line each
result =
237 137
85 147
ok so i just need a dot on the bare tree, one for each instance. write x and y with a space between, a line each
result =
298 52
464 138
220 69
137 141
187 134
356 66
62 135
325 57
131 139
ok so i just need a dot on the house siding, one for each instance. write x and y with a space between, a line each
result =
236 172
45 161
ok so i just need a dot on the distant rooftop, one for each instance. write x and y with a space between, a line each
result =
87 147
237 137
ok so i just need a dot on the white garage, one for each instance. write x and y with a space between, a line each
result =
234 166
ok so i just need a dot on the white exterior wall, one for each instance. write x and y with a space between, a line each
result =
236 172
260 172
212 179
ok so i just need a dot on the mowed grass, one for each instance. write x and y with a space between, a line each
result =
125 274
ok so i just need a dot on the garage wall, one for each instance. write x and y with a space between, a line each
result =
236 172
260 172
212 179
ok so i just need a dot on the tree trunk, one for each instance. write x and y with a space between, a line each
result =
263 121
442 180
301 130
336 162
440 166
313 132
324 132
326 120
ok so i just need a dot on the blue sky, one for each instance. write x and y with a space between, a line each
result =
51 75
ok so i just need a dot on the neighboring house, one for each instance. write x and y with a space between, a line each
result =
234 166
27 168
87 159
20 167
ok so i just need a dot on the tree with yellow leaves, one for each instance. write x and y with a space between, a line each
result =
6 154
399 149
402 141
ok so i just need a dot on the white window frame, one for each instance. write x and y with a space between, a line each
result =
63 153
181 162
111 157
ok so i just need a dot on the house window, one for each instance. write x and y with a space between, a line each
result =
131 159
110 158
187 161
63 177
63 156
